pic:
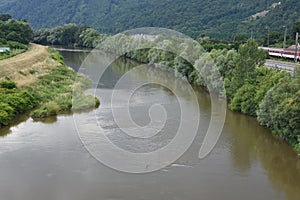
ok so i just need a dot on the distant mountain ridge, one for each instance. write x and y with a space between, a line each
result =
216 18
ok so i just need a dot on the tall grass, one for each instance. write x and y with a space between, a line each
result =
56 92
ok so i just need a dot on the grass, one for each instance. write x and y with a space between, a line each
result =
22 73
56 92
55 55
51 95
13 52
48 109
33 71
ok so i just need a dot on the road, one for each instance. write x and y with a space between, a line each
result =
287 66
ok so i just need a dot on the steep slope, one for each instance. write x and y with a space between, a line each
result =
284 14
217 18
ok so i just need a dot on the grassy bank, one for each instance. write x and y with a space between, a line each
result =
15 49
11 53
50 95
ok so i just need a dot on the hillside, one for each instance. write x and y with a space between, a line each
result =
285 14
217 18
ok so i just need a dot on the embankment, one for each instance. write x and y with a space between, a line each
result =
38 79
18 68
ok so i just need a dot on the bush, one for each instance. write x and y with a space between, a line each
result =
22 73
8 84
47 110
55 55
32 71
16 45
6 113
16 102
244 101
53 93
64 102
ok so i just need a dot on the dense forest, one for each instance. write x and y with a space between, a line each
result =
217 18
283 16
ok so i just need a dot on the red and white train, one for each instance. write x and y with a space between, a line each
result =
282 53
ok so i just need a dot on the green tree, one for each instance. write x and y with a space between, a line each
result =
287 119
41 36
68 34
244 100
247 59
5 17
295 29
272 106
273 37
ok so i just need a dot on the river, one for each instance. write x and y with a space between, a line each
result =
46 159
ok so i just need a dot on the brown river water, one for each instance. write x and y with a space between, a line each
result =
45 160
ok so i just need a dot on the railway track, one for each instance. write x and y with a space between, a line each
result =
286 66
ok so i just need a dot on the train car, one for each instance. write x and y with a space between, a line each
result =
282 53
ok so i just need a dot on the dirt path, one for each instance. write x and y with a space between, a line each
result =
26 67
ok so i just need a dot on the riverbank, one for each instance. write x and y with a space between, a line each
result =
38 79
246 153
270 95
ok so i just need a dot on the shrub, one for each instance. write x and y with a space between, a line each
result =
6 113
17 45
53 94
32 71
22 73
8 84
47 110
64 102
55 55
244 101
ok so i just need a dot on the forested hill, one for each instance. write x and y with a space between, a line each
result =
285 14
216 18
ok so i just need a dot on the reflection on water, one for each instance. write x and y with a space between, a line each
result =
74 59
47 160
48 120
18 119
254 143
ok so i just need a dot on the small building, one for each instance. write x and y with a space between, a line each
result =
4 49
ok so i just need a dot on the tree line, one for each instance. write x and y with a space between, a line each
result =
276 38
69 35
14 33
270 95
